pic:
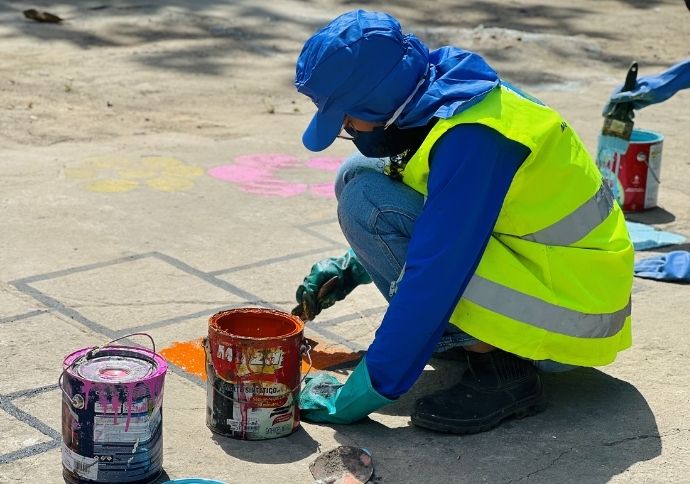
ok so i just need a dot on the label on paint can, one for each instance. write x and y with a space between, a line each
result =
236 424
86 467
263 421
271 412
653 170
123 425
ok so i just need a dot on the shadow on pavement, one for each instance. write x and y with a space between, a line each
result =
292 448
654 216
216 34
671 248
164 477
596 427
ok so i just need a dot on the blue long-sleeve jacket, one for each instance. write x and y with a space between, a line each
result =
471 168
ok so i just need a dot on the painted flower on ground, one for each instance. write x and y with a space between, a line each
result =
116 174
268 175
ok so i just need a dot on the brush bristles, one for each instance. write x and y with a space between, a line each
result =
615 127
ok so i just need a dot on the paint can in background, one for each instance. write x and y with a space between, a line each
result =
112 429
634 176
253 361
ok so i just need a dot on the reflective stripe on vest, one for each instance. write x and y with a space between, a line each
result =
579 223
536 312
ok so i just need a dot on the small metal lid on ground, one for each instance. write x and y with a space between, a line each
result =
343 465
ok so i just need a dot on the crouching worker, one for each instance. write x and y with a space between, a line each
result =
479 215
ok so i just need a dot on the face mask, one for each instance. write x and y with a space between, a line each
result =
386 142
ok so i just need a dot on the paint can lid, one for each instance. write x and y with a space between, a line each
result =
115 368
193 480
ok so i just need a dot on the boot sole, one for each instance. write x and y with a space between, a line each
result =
518 410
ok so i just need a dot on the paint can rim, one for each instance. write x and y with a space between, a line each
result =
645 136
253 311
158 363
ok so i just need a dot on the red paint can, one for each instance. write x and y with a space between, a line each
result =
634 176
253 362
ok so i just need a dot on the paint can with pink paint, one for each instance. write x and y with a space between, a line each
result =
112 398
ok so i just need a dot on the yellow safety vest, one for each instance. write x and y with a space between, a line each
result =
555 278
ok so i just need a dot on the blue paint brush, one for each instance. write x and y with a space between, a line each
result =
618 122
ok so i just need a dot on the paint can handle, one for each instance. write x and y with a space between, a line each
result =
651 170
77 400
153 343
305 349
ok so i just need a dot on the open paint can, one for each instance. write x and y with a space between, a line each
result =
112 413
253 360
634 176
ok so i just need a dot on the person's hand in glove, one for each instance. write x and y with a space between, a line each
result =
653 89
330 280
674 266
325 399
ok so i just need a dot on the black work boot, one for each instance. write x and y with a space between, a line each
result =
496 385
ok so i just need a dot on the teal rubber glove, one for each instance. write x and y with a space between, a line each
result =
330 280
325 399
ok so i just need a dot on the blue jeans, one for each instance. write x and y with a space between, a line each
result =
377 216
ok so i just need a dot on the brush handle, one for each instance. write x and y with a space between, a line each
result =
631 77
625 111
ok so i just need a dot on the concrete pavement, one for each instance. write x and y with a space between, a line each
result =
191 193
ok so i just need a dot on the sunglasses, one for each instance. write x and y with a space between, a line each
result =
351 132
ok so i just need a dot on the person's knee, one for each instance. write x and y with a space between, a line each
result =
353 166
354 207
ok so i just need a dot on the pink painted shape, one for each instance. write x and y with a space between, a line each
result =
327 163
274 187
239 173
322 190
268 161
256 174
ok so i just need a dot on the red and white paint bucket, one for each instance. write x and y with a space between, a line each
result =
112 398
253 363
634 176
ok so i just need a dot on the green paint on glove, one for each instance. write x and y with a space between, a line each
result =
325 399
330 280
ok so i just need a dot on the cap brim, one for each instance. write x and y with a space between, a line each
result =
323 129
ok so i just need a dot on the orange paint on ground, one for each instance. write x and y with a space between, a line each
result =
188 355
323 360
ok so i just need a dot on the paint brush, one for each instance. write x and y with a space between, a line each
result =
618 122
304 310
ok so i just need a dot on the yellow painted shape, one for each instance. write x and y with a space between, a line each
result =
169 184
160 162
112 186
116 174
136 173
80 173
183 171
108 161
